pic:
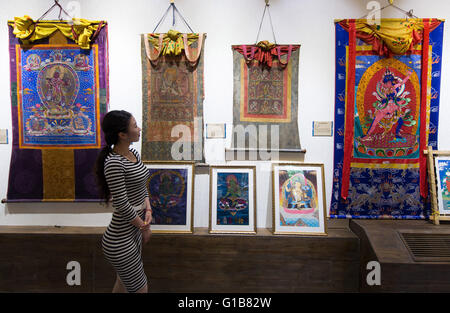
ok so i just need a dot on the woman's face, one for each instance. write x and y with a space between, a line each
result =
134 132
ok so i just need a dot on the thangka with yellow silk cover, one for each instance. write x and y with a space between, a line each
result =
386 114
172 96
59 94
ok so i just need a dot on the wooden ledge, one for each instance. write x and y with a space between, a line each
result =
336 229
64 230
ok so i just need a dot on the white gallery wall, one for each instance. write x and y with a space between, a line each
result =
309 23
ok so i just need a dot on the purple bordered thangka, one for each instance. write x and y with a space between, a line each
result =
59 95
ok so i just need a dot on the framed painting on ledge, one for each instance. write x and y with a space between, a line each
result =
442 164
232 199
171 192
298 195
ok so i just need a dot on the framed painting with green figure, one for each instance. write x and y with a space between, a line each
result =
443 180
232 204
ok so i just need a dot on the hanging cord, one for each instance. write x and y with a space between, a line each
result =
181 18
174 8
163 18
61 10
262 19
391 4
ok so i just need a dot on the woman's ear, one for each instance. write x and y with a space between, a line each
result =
123 135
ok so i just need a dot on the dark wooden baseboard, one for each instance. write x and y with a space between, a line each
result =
34 259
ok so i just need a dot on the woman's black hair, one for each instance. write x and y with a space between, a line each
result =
113 123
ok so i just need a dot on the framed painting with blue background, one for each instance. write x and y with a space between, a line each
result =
443 183
171 192
232 199
298 197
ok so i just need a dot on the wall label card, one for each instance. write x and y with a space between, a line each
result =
215 131
322 129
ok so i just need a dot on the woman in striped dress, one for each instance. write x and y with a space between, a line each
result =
122 175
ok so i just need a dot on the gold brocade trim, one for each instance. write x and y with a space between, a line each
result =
58 173
385 165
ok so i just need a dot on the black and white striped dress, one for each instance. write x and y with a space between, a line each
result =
122 241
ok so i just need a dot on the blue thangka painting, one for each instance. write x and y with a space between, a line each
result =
59 103
382 123
232 199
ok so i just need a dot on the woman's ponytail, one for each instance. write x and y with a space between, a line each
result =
113 123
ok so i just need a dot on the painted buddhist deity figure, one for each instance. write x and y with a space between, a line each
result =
55 93
390 92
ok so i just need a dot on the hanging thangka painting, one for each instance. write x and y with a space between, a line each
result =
265 97
386 113
59 94
172 91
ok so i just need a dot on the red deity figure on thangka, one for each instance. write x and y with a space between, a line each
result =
388 111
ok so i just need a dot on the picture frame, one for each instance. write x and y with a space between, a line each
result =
171 193
232 204
435 180
442 165
298 199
